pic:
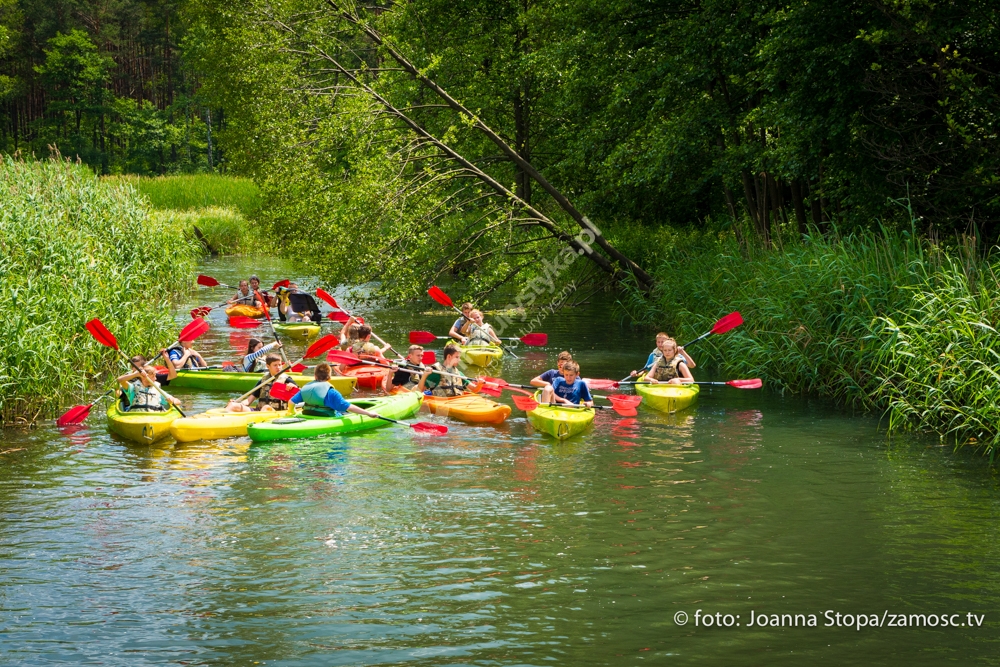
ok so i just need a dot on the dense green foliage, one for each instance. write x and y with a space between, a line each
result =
185 192
72 248
880 320
105 81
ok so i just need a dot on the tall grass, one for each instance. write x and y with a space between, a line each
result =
220 231
71 248
880 320
186 192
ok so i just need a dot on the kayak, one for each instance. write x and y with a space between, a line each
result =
215 379
469 408
400 406
297 330
559 422
244 310
481 355
142 427
217 423
367 377
667 397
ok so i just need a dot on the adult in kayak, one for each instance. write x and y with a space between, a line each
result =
322 400
671 367
261 394
139 387
569 388
436 383
186 356
462 327
546 378
402 378
294 305
657 353
253 360
245 297
482 333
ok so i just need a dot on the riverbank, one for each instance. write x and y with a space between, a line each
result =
76 247
883 321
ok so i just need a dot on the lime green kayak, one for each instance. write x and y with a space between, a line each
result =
399 406
667 397
481 355
559 422
142 427
297 330
233 381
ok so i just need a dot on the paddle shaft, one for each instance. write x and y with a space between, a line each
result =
268 381
281 348
365 362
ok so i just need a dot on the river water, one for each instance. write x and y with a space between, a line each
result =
499 546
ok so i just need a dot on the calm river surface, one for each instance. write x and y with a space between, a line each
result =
498 546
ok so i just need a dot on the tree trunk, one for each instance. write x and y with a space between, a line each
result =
799 206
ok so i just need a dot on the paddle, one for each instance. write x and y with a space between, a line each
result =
325 296
315 350
107 339
348 359
527 403
428 358
426 337
755 383
209 281
281 348
438 295
619 399
721 326
79 413
243 322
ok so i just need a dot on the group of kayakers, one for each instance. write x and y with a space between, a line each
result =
293 304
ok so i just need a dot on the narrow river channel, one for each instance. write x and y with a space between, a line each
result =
496 545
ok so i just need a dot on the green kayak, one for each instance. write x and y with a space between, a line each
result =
235 382
399 406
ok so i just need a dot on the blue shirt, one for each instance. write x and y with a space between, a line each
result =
574 393
549 376
652 358
334 400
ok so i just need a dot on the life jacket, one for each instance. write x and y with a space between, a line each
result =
265 397
256 367
247 299
313 395
481 335
145 399
448 385
667 370
407 380
366 350
466 326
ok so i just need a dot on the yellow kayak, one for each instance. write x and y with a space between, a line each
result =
469 408
667 397
142 427
559 422
217 423
481 355
244 310
297 330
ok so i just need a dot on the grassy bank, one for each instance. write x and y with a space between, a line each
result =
216 210
883 321
73 247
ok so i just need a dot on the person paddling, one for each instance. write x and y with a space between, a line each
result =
401 378
438 384
569 388
363 344
263 394
140 386
546 378
482 333
244 296
261 295
186 356
463 326
670 367
253 360
655 354
322 400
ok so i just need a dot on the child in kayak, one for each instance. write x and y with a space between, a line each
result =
261 295
546 378
402 378
263 394
655 354
569 389
322 400
363 345
140 387
186 356
482 333
438 383
462 326
244 296
253 360
670 367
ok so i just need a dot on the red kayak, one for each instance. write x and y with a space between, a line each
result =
369 377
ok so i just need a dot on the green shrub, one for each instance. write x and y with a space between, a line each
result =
72 248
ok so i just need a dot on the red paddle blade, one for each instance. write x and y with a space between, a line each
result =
624 401
318 348
339 357
435 293
338 317
730 321
526 403
101 333
242 322
207 281
625 410
298 368
199 312
282 391
323 294
429 358
422 337
491 389
746 384
500 382
535 339
281 283
75 415
427 427
601 384
193 329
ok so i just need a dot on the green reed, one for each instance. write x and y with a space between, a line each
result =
880 320
73 247
185 192
220 231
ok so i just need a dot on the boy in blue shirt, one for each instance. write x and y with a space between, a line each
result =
546 378
322 400
569 389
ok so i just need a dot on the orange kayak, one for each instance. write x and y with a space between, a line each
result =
468 408
244 310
